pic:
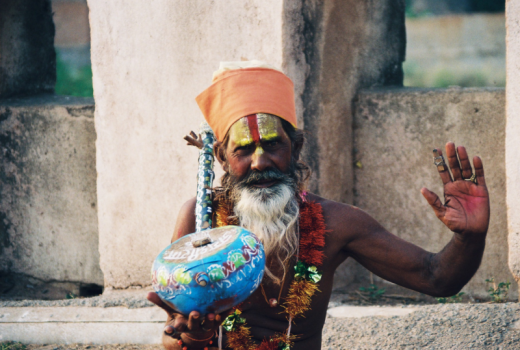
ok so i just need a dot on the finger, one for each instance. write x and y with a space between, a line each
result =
219 319
192 133
451 153
479 171
443 169
193 141
434 201
209 323
194 321
467 171
169 330
180 324
154 298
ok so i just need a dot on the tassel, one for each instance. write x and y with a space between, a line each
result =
240 339
224 213
298 299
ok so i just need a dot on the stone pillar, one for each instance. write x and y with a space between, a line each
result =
149 64
27 57
512 133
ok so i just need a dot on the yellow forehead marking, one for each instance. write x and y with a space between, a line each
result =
259 150
240 133
267 126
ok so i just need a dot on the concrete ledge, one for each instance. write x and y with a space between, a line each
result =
365 311
67 325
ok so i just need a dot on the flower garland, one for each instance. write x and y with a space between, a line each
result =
302 289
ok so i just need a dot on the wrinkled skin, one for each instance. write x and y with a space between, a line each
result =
353 234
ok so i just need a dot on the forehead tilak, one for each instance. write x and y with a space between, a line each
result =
254 128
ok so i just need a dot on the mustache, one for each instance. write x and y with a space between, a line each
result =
265 175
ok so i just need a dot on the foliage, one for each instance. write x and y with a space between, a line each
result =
457 298
372 292
9 345
445 77
73 81
498 293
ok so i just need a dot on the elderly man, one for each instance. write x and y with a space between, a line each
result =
306 237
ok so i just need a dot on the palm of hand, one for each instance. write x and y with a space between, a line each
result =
466 204
466 207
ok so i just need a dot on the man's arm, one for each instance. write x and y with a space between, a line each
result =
185 220
465 212
403 263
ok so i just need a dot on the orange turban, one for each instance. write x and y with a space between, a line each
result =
237 93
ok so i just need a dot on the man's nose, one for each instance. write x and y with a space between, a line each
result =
260 160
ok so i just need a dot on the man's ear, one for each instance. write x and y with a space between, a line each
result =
220 154
298 145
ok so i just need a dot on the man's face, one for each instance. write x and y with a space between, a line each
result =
258 143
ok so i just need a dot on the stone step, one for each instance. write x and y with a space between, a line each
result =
117 325
67 325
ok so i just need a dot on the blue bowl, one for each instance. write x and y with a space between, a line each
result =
213 277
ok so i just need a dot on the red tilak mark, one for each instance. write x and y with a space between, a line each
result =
253 127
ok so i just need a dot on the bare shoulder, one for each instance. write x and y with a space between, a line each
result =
344 221
185 220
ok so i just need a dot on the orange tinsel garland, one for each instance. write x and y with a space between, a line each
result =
298 299
240 339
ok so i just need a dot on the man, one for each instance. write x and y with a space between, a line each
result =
251 110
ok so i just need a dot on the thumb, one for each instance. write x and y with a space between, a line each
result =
154 298
434 201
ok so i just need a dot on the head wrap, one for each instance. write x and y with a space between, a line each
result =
236 93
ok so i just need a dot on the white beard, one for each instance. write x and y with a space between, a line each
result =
272 214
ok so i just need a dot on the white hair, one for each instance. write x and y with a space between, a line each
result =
272 214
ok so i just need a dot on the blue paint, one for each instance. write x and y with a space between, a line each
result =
211 278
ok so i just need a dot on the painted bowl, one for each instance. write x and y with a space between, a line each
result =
209 271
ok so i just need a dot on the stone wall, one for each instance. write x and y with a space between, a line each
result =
27 57
149 64
48 218
513 134
395 131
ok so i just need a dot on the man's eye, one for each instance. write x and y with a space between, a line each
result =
272 144
243 149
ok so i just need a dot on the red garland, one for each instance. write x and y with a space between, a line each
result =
312 233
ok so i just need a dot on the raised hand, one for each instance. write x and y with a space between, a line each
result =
197 330
193 140
466 203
